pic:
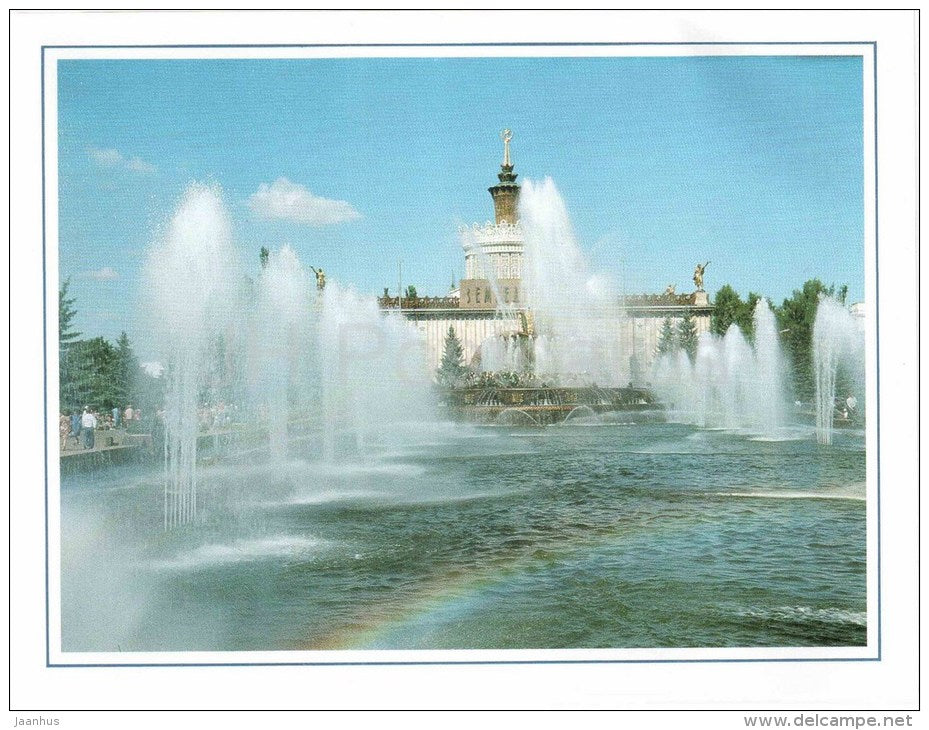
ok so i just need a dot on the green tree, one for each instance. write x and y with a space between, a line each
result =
94 374
452 369
127 371
148 392
667 340
687 335
729 309
263 256
727 306
746 317
66 313
411 292
67 338
795 318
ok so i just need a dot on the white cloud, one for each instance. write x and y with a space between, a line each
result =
286 200
137 164
115 158
107 273
107 158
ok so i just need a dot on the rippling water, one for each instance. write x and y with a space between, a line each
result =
582 535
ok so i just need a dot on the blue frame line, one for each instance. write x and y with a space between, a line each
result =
386 663
873 45
562 44
877 359
44 359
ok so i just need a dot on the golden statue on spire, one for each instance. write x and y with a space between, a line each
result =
506 136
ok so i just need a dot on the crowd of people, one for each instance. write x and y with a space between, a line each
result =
217 416
77 429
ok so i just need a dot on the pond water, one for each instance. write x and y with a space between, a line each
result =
594 533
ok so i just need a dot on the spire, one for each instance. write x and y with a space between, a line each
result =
506 174
506 192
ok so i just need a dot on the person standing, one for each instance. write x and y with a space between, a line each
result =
128 415
76 427
88 424
64 428
116 417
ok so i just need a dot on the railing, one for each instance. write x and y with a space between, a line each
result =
418 303
658 300
630 300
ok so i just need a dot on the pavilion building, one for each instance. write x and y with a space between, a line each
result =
490 302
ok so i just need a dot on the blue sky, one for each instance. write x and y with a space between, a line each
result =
754 163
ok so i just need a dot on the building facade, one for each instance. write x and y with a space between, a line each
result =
490 303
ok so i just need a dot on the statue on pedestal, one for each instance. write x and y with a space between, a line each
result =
506 136
698 275
320 278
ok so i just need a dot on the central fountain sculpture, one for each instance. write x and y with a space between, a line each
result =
528 262
527 259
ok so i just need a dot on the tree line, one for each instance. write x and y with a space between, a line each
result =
96 372
795 318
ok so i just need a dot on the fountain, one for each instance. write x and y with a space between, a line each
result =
578 318
504 354
281 342
838 356
321 360
576 337
191 279
730 384
373 380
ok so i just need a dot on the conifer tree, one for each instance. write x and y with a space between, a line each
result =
687 335
66 313
452 369
127 367
67 341
667 340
